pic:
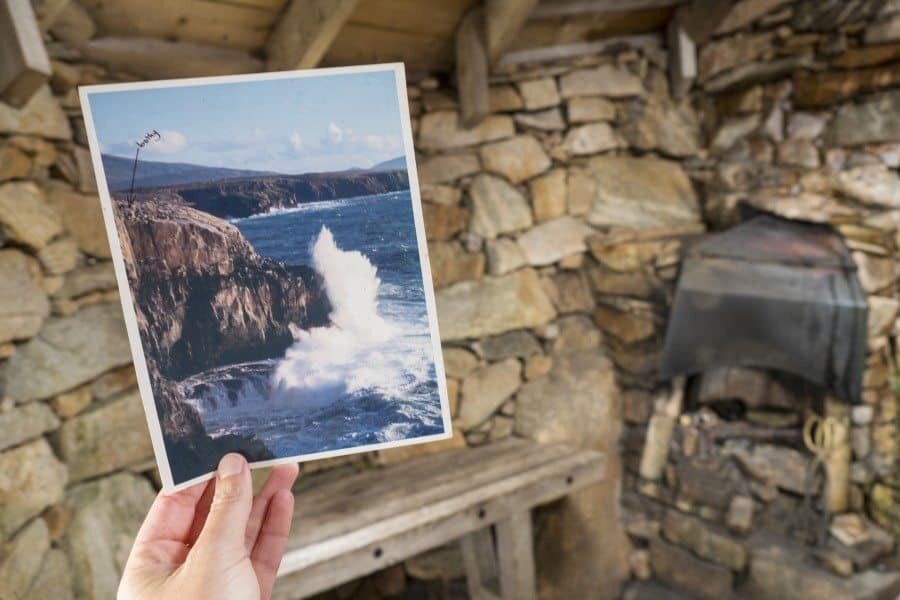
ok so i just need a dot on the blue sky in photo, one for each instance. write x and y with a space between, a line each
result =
307 124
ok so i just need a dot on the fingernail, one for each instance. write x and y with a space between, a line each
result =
230 465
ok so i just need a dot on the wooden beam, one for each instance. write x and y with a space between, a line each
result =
554 9
472 68
24 64
159 59
503 19
645 41
304 32
682 59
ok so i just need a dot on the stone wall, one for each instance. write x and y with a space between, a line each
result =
554 234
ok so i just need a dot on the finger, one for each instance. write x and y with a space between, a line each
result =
282 477
269 548
223 532
201 512
171 515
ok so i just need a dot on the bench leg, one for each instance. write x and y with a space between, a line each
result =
515 552
480 562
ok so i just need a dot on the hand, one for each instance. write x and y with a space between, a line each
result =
213 540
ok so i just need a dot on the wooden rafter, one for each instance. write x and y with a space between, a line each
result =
303 34
472 67
553 9
24 65
503 19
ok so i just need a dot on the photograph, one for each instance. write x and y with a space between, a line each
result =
269 247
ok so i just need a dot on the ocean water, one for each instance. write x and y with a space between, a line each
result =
367 378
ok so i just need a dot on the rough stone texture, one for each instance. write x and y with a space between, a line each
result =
41 117
23 305
870 121
578 547
68 404
54 579
548 242
798 152
539 93
68 351
672 129
544 120
447 168
512 344
458 362
584 109
875 185
82 217
493 305
883 31
727 53
682 570
60 256
497 207
110 437
485 389
441 130
25 422
548 195
700 538
628 326
106 515
503 255
450 263
21 559
591 139
443 221
517 159
604 80
31 479
745 12
732 130
25 215
641 193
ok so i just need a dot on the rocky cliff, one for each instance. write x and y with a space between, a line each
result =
243 197
204 298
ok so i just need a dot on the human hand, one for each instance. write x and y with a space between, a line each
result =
213 540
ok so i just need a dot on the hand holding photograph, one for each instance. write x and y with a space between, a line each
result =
268 242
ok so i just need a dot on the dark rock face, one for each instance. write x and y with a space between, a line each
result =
203 298
238 198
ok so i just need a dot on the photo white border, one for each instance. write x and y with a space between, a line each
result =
137 350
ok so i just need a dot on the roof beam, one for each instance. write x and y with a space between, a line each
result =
24 65
503 19
554 9
305 31
472 67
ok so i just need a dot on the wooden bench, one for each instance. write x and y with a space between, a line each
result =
353 526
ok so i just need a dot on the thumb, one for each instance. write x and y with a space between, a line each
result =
229 511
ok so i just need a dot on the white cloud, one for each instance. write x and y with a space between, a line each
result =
169 142
296 141
375 142
337 134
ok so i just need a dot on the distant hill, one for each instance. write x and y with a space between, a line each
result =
160 174
390 165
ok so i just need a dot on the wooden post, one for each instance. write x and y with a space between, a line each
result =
304 32
516 554
472 68
24 65
682 58
503 19
480 561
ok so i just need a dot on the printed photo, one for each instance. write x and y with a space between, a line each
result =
268 240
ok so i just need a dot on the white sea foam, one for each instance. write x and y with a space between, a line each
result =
360 350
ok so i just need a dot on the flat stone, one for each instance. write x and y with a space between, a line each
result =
83 218
875 274
544 120
512 344
874 185
25 422
42 117
798 152
89 278
640 193
576 334
23 305
682 570
444 221
882 314
873 120
806 125
31 479
548 195
440 194
450 263
67 352
493 305
550 241
867 56
745 12
517 159
447 168
729 52
21 559
25 215
585 109
14 164
54 580
458 362
485 389
830 87
605 80
733 130
114 382
59 256
672 129
569 292
68 404
539 93
504 98
887 30
106 515
784 466
591 139
701 539
497 207
885 507
740 514
503 255
760 71
105 439
441 130
627 326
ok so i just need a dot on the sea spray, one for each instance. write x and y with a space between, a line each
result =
328 363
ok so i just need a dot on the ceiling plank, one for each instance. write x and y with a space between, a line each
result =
24 65
472 68
503 19
305 31
645 41
554 9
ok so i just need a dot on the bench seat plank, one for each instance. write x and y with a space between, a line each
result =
356 525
